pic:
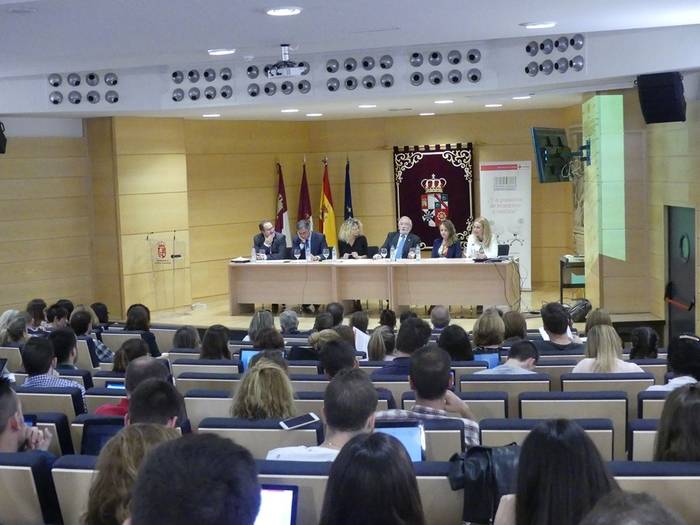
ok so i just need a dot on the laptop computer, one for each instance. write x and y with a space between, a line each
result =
246 356
278 505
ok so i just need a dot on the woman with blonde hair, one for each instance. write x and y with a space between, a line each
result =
380 346
604 353
488 333
481 244
117 466
352 244
261 319
264 393
597 317
446 246
13 328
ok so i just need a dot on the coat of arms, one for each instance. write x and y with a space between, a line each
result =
434 201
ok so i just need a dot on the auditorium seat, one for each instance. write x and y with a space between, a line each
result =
13 356
556 355
80 376
651 404
309 382
164 336
115 338
209 366
303 367
580 405
72 476
499 432
631 383
27 493
554 368
675 484
112 425
20 378
261 436
371 366
482 404
655 367
397 385
642 436
443 438
305 402
202 403
97 396
57 424
65 400
513 385
199 380
87 358
181 353
461 368
102 377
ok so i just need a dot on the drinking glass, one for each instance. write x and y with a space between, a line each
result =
411 253
382 252
297 253
326 252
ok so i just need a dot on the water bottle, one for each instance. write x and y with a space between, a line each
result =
308 254
253 256
392 255
334 252
417 253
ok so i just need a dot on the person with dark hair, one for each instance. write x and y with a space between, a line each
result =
81 323
269 339
683 360
186 337
407 314
337 311
129 350
311 245
644 343
678 434
522 359
156 401
376 470
67 305
215 343
555 320
455 341
336 356
138 319
36 308
388 318
212 480
64 348
102 313
380 346
488 333
439 317
15 435
269 244
323 321
629 508
447 245
346 333
39 362
360 321
413 334
138 371
430 377
561 477
515 328
56 317
274 356
349 403
260 320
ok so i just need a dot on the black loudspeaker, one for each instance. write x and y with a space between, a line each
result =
661 97
3 139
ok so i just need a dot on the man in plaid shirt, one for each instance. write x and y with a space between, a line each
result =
431 380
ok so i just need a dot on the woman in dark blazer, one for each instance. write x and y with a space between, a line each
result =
447 246
352 244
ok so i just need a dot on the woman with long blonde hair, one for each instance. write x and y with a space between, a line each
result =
352 244
264 393
481 244
604 353
117 466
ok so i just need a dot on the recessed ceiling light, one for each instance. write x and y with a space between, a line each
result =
537 25
21 10
211 115
444 101
493 105
290 110
426 114
314 114
522 97
284 11
366 106
220 52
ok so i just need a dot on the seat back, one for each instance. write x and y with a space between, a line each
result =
101 378
72 476
642 439
462 368
164 337
651 404
632 384
115 338
202 381
65 400
397 385
482 404
655 367
208 366
513 385
303 368
77 427
443 437
13 356
57 424
580 405
309 383
554 368
85 360
96 397
201 404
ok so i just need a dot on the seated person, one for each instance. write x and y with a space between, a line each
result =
439 318
678 434
349 403
644 343
36 308
138 371
215 343
264 393
56 317
15 435
488 333
402 242
352 244
597 317
522 359
138 319
447 246
261 319
346 333
14 329
337 311
81 324
413 334
269 244
129 350
380 346
516 328
64 347
555 320
269 339
455 341
683 361
360 321
212 480
156 401
388 318
323 321
316 339
289 323
309 242
481 244
187 337
102 314
431 379
630 508
604 353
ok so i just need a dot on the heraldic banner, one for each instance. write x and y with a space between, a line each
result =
433 185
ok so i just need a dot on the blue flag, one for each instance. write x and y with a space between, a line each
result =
348 193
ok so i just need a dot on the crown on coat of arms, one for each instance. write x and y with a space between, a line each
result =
433 184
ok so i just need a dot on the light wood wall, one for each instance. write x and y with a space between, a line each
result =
45 221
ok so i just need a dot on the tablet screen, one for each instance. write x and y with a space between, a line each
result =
115 385
278 505
411 437
246 356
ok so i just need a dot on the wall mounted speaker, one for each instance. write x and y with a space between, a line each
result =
252 72
367 63
270 88
92 79
178 77
193 93
350 83
56 97
473 56
661 97
111 79
387 80
332 65
112 96
55 80
304 86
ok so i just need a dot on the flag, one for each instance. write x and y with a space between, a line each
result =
282 219
326 221
305 200
348 192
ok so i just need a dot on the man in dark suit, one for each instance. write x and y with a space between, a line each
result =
402 240
314 242
268 243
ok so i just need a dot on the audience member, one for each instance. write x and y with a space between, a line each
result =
117 466
678 434
360 321
56 317
555 320
439 317
559 486
644 343
138 371
407 314
129 350
64 348
15 435
289 322
316 339
604 353
413 334
102 313
323 321
455 341
261 319
381 344
138 319
430 377
388 318
215 343
156 401
346 333
67 305
186 337
14 330
213 480
515 328
522 359
349 403
337 311
269 339
336 356
376 470
6 317
488 333
683 361
264 393
94 320
629 508
274 356
36 308
597 317
81 323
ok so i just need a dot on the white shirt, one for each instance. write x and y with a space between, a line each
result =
585 366
302 453
674 383
474 246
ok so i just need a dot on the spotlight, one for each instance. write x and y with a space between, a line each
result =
387 80
532 69
253 90
435 58
454 57
73 79
546 67
332 65
112 96
56 97
193 75
435 78
287 87
93 97
111 79
74 97
252 72
350 64
332 84
350 83
367 63
532 48
92 79
209 75
416 59
473 56
561 65
178 95
304 86
385 62
178 77
577 41
369 82
562 44
576 63
225 73
210 92
454 76
55 79
226 91
270 89
306 66
416 78
474 75
547 46
194 93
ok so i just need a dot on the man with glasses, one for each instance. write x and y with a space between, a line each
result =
402 242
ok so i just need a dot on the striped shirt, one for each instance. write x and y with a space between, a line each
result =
471 429
51 381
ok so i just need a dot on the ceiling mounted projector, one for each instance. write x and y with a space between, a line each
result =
286 67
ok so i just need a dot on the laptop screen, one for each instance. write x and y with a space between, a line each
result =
246 356
278 505
115 385
410 433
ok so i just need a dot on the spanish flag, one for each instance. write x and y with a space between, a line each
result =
327 215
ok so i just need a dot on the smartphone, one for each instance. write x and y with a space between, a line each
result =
299 421
114 385
29 420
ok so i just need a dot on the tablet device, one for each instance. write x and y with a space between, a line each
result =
246 356
410 433
115 385
278 505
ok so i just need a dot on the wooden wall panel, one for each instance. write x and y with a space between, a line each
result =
159 290
209 279
136 251
153 212
148 136
152 174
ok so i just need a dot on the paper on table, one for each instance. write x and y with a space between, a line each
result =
240 259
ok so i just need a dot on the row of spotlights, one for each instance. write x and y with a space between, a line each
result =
75 97
208 74
561 44
453 77
286 88
91 79
562 65
367 63
194 93
454 57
